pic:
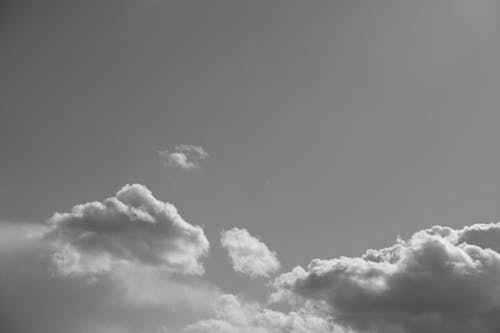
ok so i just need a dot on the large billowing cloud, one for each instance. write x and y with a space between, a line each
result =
35 297
248 254
132 227
440 280
128 264
183 156
234 315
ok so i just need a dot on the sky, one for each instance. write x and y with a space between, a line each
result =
281 132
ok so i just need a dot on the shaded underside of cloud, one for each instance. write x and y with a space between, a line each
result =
132 227
439 280
248 254
183 156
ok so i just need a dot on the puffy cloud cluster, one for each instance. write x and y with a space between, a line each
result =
234 315
248 254
131 264
183 156
132 227
440 280
128 264
130 299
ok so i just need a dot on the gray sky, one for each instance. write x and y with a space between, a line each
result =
331 126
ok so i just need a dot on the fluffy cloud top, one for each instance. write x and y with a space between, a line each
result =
440 280
131 227
248 254
236 316
184 156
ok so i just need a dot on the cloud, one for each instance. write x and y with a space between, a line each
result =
128 264
439 280
234 315
37 296
131 264
184 156
132 227
248 254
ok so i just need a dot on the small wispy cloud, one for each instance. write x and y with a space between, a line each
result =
248 254
183 156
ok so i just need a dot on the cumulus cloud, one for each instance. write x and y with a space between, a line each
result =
439 280
131 264
234 315
133 227
128 264
183 156
248 254
35 297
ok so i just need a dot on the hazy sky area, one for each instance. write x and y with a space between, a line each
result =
324 128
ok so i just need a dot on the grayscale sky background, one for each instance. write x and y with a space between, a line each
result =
332 126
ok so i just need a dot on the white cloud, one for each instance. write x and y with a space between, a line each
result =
440 280
131 298
183 156
132 227
234 315
248 254
129 264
